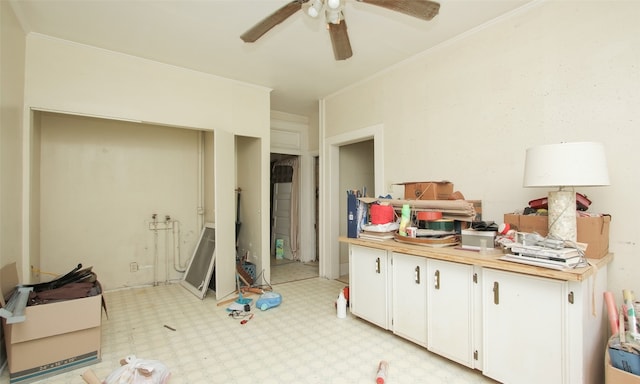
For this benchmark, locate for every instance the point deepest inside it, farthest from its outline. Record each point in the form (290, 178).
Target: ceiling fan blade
(272, 20)
(340, 40)
(422, 9)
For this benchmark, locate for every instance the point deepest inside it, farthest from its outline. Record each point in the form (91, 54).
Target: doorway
(293, 256)
(333, 265)
(356, 173)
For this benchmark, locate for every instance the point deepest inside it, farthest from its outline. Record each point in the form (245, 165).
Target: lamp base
(562, 215)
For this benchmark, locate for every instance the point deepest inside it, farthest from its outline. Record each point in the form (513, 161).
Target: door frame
(330, 190)
(289, 136)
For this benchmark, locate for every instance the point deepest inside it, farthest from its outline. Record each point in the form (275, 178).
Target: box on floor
(613, 375)
(54, 338)
(593, 231)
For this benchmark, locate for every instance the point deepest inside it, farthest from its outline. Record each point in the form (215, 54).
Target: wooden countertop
(474, 258)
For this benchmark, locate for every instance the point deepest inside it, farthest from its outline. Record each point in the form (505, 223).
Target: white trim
(330, 193)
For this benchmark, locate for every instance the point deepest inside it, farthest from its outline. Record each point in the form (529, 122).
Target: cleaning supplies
(341, 305)
(629, 298)
(405, 219)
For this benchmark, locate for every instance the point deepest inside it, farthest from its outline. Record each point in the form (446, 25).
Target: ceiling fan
(422, 9)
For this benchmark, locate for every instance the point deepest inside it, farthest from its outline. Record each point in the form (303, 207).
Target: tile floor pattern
(301, 341)
(283, 271)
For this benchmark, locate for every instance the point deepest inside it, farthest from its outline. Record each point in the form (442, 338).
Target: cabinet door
(368, 290)
(450, 310)
(523, 328)
(409, 294)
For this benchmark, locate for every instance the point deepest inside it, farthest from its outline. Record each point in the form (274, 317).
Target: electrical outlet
(133, 267)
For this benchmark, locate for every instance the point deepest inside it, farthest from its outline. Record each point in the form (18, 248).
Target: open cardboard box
(593, 231)
(54, 338)
(613, 375)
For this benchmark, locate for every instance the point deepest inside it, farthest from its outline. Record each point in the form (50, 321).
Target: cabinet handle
(436, 279)
(417, 277)
(378, 265)
(496, 293)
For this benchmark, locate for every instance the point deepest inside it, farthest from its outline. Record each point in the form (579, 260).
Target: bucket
(381, 214)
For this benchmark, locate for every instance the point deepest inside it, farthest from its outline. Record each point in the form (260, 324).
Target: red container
(381, 214)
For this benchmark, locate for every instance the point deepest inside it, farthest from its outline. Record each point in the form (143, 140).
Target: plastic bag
(139, 371)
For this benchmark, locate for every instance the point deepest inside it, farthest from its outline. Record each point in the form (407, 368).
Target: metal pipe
(155, 249)
(180, 268)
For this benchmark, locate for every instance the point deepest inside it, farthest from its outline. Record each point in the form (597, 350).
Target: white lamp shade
(566, 164)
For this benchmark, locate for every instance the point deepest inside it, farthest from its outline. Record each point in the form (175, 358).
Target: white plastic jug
(341, 306)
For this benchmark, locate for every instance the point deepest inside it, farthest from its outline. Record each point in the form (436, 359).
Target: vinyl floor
(301, 341)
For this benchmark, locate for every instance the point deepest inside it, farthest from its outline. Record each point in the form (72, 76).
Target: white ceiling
(295, 58)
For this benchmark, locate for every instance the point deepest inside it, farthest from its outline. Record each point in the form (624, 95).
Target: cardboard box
(626, 361)
(613, 375)
(593, 231)
(428, 190)
(54, 338)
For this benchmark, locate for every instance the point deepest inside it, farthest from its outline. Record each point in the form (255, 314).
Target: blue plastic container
(269, 300)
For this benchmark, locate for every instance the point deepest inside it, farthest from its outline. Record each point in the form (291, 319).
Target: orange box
(428, 190)
(593, 231)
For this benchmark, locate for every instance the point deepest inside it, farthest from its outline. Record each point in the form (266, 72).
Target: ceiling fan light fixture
(335, 21)
(333, 17)
(315, 8)
(334, 4)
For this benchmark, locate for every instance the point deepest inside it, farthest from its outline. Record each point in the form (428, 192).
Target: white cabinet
(368, 285)
(523, 327)
(517, 323)
(409, 294)
(451, 310)
(542, 330)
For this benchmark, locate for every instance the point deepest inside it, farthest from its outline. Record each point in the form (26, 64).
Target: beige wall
(92, 82)
(314, 135)
(12, 48)
(97, 82)
(251, 228)
(466, 111)
(100, 183)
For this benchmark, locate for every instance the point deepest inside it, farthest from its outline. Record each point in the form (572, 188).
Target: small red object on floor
(246, 320)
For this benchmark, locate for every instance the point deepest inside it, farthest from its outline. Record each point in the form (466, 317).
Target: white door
(282, 218)
(450, 310)
(368, 284)
(524, 328)
(410, 297)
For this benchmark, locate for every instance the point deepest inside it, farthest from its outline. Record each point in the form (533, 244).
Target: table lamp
(565, 165)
